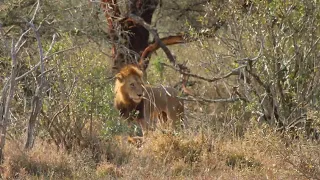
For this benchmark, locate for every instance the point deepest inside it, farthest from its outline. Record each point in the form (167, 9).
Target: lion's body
(162, 105)
(153, 104)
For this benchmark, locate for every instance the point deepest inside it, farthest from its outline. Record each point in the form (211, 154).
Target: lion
(145, 104)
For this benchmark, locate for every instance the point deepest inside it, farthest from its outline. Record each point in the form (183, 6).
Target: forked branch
(153, 31)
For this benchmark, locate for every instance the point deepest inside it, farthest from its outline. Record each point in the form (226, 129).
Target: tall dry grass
(260, 154)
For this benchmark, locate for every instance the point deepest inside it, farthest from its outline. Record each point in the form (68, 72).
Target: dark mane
(131, 70)
(132, 112)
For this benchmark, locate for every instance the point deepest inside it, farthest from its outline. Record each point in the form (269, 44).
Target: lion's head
(128, 87)
(158, 103)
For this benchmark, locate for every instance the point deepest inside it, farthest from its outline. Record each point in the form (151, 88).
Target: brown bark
(135, 27)
(135, 35)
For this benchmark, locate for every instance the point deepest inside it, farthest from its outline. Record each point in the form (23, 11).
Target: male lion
(149, 104)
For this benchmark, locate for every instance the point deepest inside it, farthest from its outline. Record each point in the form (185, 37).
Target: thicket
(258, 87)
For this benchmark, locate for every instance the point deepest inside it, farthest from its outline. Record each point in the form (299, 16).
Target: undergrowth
(260, 154)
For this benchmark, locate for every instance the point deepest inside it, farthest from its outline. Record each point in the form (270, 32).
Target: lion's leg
(175, 116)
(145, 122)
(163, 117)
(144, 126)
(182, 118)
(172, 118)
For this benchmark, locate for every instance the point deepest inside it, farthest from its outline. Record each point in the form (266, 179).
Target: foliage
(159, 68)
(276, 43)
(271, 47)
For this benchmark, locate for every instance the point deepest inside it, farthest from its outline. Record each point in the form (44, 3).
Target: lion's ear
(140, 73)
(119, 77)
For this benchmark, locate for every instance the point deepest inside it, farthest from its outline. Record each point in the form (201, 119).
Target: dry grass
(259, 154)
(43, 160)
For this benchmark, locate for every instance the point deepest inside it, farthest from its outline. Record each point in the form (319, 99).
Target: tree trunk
(37, 99)
(36, 107)
(136, 35)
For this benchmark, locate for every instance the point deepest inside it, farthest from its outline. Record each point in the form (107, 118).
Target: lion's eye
(132, 84)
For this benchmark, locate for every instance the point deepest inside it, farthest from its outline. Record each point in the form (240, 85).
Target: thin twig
(12, 85)
(35, 12)
(233, 72)
(18, 49)
(20, 38)
(201, 99)
(51, 45)
(56, 114)
(45, 58)
(40, 51)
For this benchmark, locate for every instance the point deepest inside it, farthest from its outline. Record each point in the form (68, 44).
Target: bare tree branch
(20, 39)
(201, 99)
(155, 34)
(55, 115)
(35, 11)
(40, 50)
(51, 45)
(37, 98)
(39, 63)
(233, 72)
(4, 118)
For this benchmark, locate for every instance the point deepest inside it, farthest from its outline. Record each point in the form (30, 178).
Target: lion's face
(133, 86)
(129, 84)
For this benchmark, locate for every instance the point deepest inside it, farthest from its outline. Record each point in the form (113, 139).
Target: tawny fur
(157, 104)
